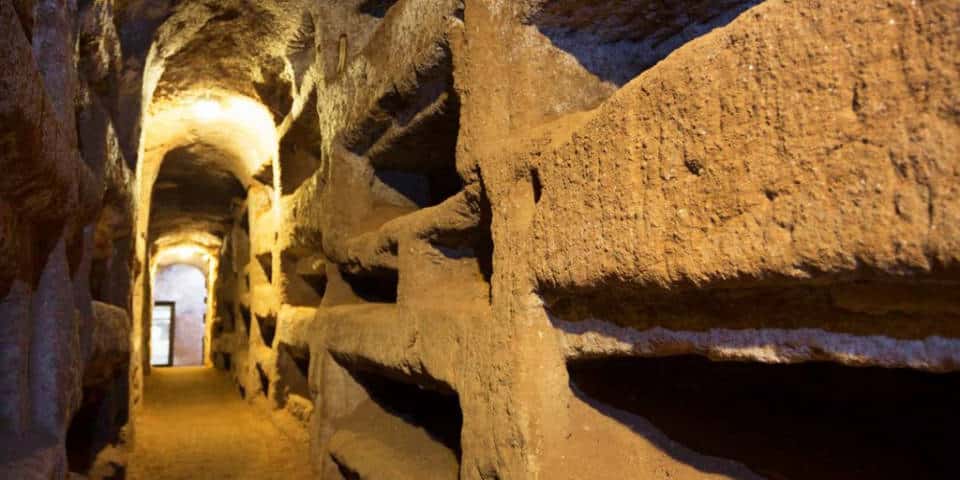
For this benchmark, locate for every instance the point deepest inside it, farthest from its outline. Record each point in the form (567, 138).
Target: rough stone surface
(64, 356)
(110, 351)
(484, 239)
(473, 198)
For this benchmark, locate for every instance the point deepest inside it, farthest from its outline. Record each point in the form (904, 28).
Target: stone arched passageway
(480, 239)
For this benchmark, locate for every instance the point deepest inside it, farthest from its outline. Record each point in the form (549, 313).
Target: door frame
(173, 330)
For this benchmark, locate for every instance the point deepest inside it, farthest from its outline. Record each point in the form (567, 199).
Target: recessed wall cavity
(293, 364)
(245, 316)
(812, 420)
(378, 286)
(420, 429)
(616, 40)
(301, 151)
(268, 328)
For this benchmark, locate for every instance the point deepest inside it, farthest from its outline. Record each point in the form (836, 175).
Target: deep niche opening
(375, 8)
(537, 185)
(264, 381)
(245, 222)
(474, 243)
(803, 421)
(423, 189)
(378, 286)
(617, 47)
(225, 321)
(266, 263)
(97, 423)
(223, 361)
(306, 277)
(301, 148)
(245, 316)
(268, 328)
(316, 281)
(436, 411)
(411, 140)
(294, 366)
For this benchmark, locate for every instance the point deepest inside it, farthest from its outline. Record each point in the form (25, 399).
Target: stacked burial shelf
(403, 431)
(418, 214)
(304, 277)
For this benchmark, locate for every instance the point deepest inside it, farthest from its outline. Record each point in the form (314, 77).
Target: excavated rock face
(535, 216)
(67, 208)
(499, 239)
(502, 209)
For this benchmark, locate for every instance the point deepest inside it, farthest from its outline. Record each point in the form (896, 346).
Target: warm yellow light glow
(242, 108)
(207, 110)
(240, 128)
(182, 253)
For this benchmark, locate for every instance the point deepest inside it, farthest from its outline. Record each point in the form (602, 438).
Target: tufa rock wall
(66, 207)
(529, 239)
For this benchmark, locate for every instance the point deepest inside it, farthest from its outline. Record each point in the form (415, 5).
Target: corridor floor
(194, 425)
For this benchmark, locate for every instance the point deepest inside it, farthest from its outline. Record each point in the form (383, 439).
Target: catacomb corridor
(479, 239)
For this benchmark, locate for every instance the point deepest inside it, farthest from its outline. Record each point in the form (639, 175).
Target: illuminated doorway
(180, 292)
(162, 334)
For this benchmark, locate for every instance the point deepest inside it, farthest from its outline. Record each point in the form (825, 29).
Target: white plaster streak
(593, 338)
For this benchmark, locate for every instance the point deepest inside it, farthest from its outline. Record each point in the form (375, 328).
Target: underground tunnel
(476, 239)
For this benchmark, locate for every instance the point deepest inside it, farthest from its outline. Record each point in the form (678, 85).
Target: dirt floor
(194, 425)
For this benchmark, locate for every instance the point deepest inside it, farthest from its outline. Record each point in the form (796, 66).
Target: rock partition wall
(607, 239)
(65, 209)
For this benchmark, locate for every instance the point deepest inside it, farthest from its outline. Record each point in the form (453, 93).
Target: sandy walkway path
(195, 426)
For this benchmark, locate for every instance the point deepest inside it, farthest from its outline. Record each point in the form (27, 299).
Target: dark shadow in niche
(266, 263)
(268, 328)
(223, 361)
(346, 472)
(265, 174)
(301, 150)
(227, 15)
(378, 286)
(274, 90)
(435, 411)
(537, 185)
(293, 364)
(376, 8)
(617, 40)
(484, 241)
(245, 222)
(412, 186)
(423, 189)
(800, 421)
(245, 315)
(264, 381)
(97, 423)
(316, 281)
(475, 243)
